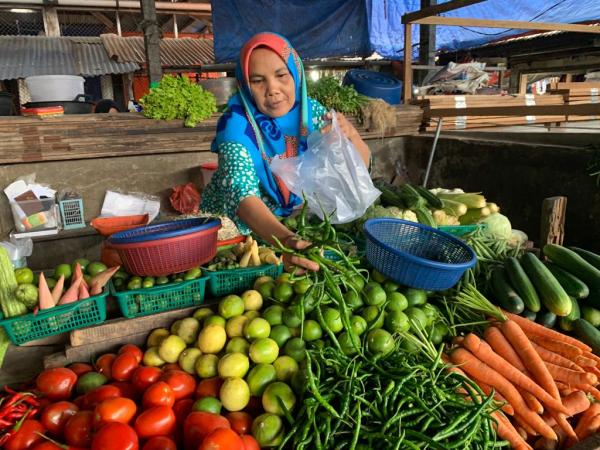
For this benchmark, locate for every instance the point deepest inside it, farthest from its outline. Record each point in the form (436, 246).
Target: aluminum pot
(73, 107)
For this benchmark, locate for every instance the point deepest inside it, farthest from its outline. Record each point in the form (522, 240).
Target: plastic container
(375, 85)
(35, 215)
(416, 255)
(71, 212)
(107, 226)
(52, 88)
(142, 302)
(234, 281)
(208, 170)
(56, 320)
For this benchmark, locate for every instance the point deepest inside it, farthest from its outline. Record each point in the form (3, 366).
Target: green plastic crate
(234, 281)
(142, 302)
(56, 320)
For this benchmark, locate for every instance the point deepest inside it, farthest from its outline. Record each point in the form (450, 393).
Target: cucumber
(570, 283)
(522, 284)
(432, 200)
(546, 318)
(424, 216)
(592, 315)
(410, 197)
(573, 263)
(590, 257)
(566, 323)
(505, 294)
(552, 294)
(588, 334)
(529, 315)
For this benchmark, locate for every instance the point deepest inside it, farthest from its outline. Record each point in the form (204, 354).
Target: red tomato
(200, 424)
(159, 394)
(222, 439)
(26, 437)
(182, 383)
(115, 436)
(249, 442)
(123, 366)
(181, 409)
(143, 377)
(80, 368)
(78, 429)
(127, 389)
(171, 366)
(118, 409)
(134, 350)
(55, 416)
(254, 407)
(209, 387)
(92, 398)
(240, 421)
(47, 445)
(156, 421)
(56, 384)
(160, 443)
(104, 364)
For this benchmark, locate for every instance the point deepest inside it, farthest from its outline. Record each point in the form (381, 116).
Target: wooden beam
(105, 20)
(589, 109)
(437, 9)
(408, 74)
(552, 226)
(51, 23)
(514, 24)
(523, 84)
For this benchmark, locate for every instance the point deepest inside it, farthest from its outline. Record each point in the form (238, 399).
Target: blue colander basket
(416, 255)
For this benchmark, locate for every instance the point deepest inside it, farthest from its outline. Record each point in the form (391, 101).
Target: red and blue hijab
(264, 137)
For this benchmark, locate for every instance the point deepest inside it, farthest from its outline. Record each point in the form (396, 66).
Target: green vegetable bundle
(179, 98)
(332, 95)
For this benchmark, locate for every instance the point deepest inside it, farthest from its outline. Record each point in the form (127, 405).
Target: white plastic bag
(331, 174)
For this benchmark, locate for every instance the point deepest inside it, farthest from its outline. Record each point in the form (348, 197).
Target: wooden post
(51, 23)
(426, 44)
(552, 226)
(407, 86)
(523, 84)
(151, 40)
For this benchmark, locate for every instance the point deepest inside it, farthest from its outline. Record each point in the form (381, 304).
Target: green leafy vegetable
(332, 95)
(179, 98)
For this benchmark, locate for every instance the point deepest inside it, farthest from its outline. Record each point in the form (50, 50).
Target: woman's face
(271, 83)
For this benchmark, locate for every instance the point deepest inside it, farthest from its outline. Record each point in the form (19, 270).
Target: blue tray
(163, 230)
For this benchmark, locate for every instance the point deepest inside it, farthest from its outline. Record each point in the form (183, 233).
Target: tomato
(55, 416)
(118, 409)
(80, 368)
(200, 424)
(92, 398)
(78, 429)
(115, 436)
(240, 421)
(127, 389)
(143, 377)
(123, 366)
(48, 445)
(56, 384)
(181, 409)
(171, 366)
(209, 387)
(249, 442)
(159, 394)
(134, 350)
(254, 407)
(160, 443)
(26, 437)
(156, 421)
(222, 439)
(182, 383)
(104, 364)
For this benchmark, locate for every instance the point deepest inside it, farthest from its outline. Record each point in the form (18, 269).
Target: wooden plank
(408, 74)
(534, 110)
(552, 225)
(515, 24)
(437, 9)
(22, 364)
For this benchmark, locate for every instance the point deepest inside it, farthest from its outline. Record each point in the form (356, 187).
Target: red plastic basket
(172, 255)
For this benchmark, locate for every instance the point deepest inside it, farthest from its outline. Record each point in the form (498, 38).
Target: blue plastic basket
(163, 230)
(416, 255)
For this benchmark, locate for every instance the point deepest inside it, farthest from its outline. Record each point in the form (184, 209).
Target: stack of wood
(435, 102)
(578, 93)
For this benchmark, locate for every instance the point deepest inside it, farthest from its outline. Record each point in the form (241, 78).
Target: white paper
(117, 204)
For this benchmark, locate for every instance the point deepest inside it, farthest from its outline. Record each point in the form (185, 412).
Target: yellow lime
(257, 328)
(259, 377)
(252, 300)
(203, 313)
(206, 366)
(215, 320)
(151, 357)
(156, 336)
(264, 351)
(187, 359)
(231, 306)
(274, 394)
(212, 339)
(251, 314)
(235, 326)
(238, 345)
(285, 367)
(234, 394)
(233, 365)
(262, 280)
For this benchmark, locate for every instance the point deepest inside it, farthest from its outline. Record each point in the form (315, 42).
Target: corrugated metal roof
(180, 52)
(24, 56)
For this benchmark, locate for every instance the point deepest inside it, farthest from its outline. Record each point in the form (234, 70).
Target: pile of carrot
(543, 382)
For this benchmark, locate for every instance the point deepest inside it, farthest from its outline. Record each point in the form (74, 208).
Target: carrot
(506, 431)
(590, 355)
(83, 292)
(592, 427)
(535, 329)
(57, 289)
(571, 376)
(593, 370)
(584, 361)
(100, 280)
(481, 371)
(523, 424)
(583, 425)
(575, 403)
(45, 300)
(554, 358)
(589, 389)
(529, 356)
(533, 403)
(547, 444)
(567, 350)
(487, 390)
(564, 425)
(484, 352)
(498, 342)
(71, 295)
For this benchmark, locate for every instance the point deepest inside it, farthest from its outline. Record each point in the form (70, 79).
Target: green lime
(311, 330)
(203, 313)
(121, 274)
(389, 286)
(83, 263)
(192, 274)
(161, 280)
(374, 316)
(207, 404)
(268, 430)
(231, 306)
(375, 295)
(295, 347)
(94, 268)
(206, 365)
(251, 315)
(215, 320)
(134, 283)
(438, 333)
(89, 381)
(283, 278)
(63, 269)
(262, 280)
(266, 289)
(301, 286)
(431, 312)
(357, 281)
(380, 342)
(51, 282)
(415, 297)
(307, 300)
(358, 324)
(346, 344)
(353, 300)
(273, 314)
(285, 367)
(333, 319)
(396, 302)
(264, 351)
(396, 322)
(409, 346)
(259, 378)
(24, 275)
(276, 396)
(239, 345)
(280, 334)
(283, 292)
(148, 282)
(257, 328)
(378, 277)
(417, 316)
(292, 316)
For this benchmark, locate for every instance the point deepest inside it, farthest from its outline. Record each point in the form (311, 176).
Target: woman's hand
(344, 124)
(292, 262)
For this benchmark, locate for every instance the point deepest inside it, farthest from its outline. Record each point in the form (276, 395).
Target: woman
(270, 117)
(107, 106)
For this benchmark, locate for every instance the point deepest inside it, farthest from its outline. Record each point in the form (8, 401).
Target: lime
(332, 319)
(252, 300)
(64, 269)
(24, 275)
(187, 359)
(235, 326)
(268, 430)
(231, 306)
(259, 377)
(301, 286)
(308, 300)
(266, 289)
(431, 312)
(202, 313)
(353, 300)
(234, 394)
(212, 339)
(251, 314)
(283, 278)
(151, 357)
(264, 351)
(416, 315)
(438, 333)
(415, 297)
(396, 302)
(409, 346)
(238, 345)
(233, 365)
(357, 281)
(51, 282)
(295, 347)
(380, 342)
(257, 328)
(275, 395)
(292, 316)
(286, 367)
(378, 276)
(283, 292)
(206, 366)
(161, 280)
(94, 268)
(207, 404)
(295, 331)
(89, 381)
(273, 314)
(389, 286)
(358, 324)
(192, 274)
(83, 263)
(373, 316)
(396, 322)
(346, 344)
(134, 283)
(280, 334)
(375, 295)
(147, 283)
(262, 280)
(215, 320)
(312, 330)
(156, 336)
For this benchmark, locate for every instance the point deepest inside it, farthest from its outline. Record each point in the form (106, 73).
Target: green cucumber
(588, 334)
(432, 200)
(546, 319)
(592, 315)
(505, 294)
(552, 294)
(571, 284)
(566, 323)
(590, 257)
(573, 263)
(529, 315)
(424, 216)
(522, 284)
